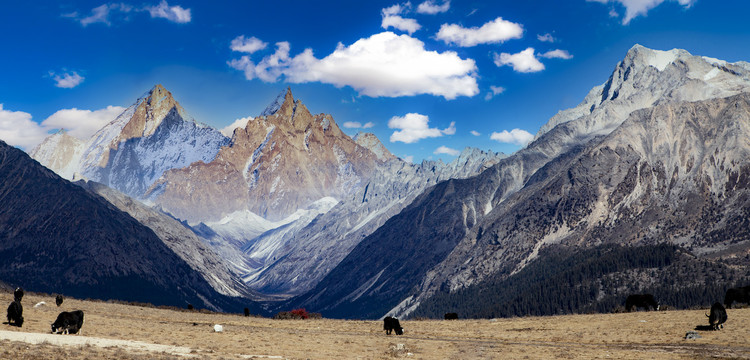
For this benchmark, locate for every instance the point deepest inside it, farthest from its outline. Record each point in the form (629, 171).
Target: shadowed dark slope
(56, 237)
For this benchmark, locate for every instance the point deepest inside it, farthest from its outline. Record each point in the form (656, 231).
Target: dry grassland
(115, 331)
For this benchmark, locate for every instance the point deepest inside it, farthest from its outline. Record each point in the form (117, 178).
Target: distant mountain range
(293, 211)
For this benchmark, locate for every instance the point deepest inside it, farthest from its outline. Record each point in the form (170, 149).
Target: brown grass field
(117, 331)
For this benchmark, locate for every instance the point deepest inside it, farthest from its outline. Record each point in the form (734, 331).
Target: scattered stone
(692, 335)
(39, 304)
(218, 328)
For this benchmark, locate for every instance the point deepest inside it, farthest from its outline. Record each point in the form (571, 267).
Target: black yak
(739, 294)
(450, 316)
(15, 313)
(68, 322)
(58, 300)
(18, 294)
(646, 301)
(718, 316)
(390, 324)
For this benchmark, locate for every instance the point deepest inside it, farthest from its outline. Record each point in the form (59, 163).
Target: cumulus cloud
(392, 18)
(239, 123)
(81, 124)
(408, 158)
(515, 136)
(545, 38)
(494, 90)
(475, 133)
(17, 129)
(247, 45)
(635, 8)
(446, 150)
(358, 125)
(557, 54)
(413, 127)
(493, 32)
(384, 64)
(67, 80)
(175, 13)
(524, 61)
(429, 7)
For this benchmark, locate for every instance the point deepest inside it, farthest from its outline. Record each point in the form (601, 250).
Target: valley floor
(116, 331)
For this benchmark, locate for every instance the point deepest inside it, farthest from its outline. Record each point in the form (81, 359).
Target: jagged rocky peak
(150, 110)
(274, 106)
(646, 77)
(371, 142)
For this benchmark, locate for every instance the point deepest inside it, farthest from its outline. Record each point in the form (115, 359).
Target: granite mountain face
(280, 162)
(130, 153)
(653, 155)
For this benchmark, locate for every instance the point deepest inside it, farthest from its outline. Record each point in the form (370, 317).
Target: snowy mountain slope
(130, 153)
(411, 249)
(60, 152)
(303, 256)
(179, 239)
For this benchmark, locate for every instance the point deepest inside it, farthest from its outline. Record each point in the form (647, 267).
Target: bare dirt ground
(116, 331)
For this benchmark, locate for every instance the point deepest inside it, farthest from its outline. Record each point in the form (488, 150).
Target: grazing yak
(15, 313)
(68, 322)
(58, 300)
(247, 312)
(450, 316)
(390, 324)
(739, 294)
(718, 316)
(646, 301)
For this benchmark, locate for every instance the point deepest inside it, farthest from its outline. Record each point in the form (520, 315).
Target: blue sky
(427, 77)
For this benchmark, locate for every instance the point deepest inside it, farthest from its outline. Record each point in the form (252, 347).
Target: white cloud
(239, 123)
(392, 18)
(67, 80)
(635, 8)
(100, 14)
(475, 133)
(494, 90)
(247, 45)
(446, 150)
(104, 13)
(429, 7)
(81, 124)
(524, 61)
(413, 127)
(557, 54)
(408, 158)
(384, 64)
(403, 24)
(493, 32)
(515, 136)
(358, 125)
(546, 38)
(175, 13)
(17, 128)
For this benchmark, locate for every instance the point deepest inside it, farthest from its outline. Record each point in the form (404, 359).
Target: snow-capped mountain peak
(274, 106)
